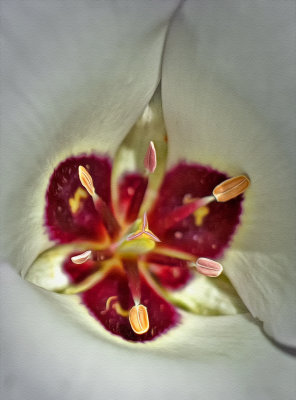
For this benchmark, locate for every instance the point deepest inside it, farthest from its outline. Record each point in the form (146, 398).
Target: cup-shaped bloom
(77, 85)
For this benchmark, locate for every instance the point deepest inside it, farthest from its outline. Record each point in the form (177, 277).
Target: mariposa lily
(219, 129)
(128, 238)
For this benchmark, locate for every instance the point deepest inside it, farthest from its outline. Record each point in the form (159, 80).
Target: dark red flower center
(137, 254)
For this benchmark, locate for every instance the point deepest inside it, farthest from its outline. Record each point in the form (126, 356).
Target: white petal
(228, 99)
(47, 356)
(267, 286)
(76, 75)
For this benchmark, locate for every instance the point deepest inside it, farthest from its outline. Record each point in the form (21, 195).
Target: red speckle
(61, 224)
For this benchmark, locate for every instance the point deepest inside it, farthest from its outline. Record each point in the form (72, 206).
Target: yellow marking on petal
(109, 300)
(120, 311)
(116, 306)
(75, 201)
(200, 214)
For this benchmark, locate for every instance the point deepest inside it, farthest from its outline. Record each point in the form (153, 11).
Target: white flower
(77, 76)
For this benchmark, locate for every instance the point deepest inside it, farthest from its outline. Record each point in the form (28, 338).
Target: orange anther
(138, 318)
(86, 180)
(231, 188)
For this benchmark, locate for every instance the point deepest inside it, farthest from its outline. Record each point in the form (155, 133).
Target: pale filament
(204, 266)
(225, 191)
(134, 281)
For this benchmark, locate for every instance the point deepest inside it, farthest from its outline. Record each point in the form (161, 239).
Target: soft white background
(75, 76)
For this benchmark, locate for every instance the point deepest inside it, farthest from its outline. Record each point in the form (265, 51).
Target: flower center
(141, 240)
(124, 252)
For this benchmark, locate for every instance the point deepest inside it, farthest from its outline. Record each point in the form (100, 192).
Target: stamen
(150, 160)
(101, 207)
(86, 180)
(231, 188)
(82, 258)
(138, 315)
(139, 320)
(225, 191)
(208, 267)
